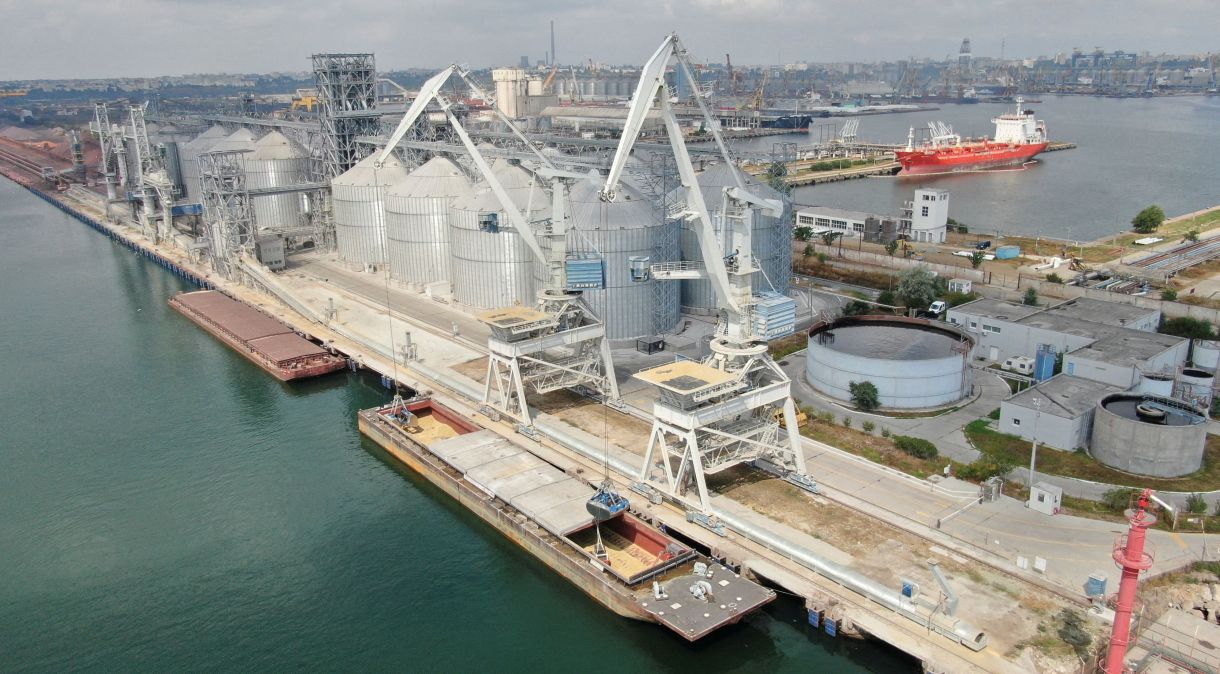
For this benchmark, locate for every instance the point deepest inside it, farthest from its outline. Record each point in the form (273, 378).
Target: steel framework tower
(347, 97)
(227, 211)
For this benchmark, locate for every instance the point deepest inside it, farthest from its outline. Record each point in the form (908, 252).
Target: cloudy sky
(111, 38)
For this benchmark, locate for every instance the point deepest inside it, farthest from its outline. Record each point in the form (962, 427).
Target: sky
(135, 38)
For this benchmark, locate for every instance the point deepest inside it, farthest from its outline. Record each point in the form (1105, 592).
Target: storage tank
(417, 220)
(1205, 354)
(1195, 387)
(276, 162)
(630, 227)
(356, 199)
(1155, 384)
(188, 158)
(913, 362)
(491, 264)
(1007, 252)
(772, 238)
(1148, 435)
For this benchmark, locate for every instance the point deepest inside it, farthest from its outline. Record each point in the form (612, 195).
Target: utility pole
(1034, 454)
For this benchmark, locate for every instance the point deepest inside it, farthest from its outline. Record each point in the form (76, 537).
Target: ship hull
(966, 158)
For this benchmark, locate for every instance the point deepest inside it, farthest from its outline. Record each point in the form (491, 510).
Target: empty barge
(642, 574)
(267, 342)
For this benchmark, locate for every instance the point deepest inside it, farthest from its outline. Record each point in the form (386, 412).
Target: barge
(265, 341)
(628, 566)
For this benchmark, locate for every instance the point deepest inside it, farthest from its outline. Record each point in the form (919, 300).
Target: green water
(166, 505)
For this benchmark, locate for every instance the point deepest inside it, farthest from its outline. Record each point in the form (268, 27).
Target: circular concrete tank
(1148, 435)
(1205, 354)
(914, 363)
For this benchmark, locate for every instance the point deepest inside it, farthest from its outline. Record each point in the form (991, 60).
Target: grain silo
(417, 220)
(771, 238)
(188, 159)
(241, 139)
(627, 234)
(276, 162)
(356, 198)
(491, 264)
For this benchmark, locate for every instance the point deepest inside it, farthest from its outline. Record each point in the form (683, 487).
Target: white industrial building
(1057, 412)
(924, 219)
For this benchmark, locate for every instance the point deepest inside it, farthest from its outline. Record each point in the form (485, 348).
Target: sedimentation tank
(491, 264)
(1148, 435)
(276, 162)
(771, 238)
(188, 159)
(914, 363)
(629, 228)
(417, 220)
(356, 199)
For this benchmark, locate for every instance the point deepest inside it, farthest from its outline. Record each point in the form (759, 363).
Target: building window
(991, 328)
(944, 197)
(924, 211)
(822, 222)
(974, 325)
(857, 226)
(953, 320)
(806, 220)
(1016, 422)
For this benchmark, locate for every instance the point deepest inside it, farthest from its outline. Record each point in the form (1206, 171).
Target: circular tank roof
(438, 178)
(276, 145)
(886, 338)
(1151, 409)
(629, 210)
(365, 174)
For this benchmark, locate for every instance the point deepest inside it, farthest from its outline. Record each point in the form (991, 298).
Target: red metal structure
(1130, 555)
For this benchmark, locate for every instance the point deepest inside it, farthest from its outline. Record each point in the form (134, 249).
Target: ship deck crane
(718, 412)
(559, 343)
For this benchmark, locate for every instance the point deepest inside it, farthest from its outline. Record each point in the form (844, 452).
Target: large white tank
(492, 266)
(417, 220)
(630, 227)
(1148, 435)
(1205, 354)
(276, 162)
(914, 363)
(188, 158)
(771, 238)
(356, 198)
(241, 139)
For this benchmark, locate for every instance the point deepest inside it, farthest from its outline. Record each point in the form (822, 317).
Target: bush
(887, 297)
(1169, 295)
(1118, 499)
(822, 258)
(808, 252)
(954, 299)
(1054, 278)
(868, 426)
(846, 422)
(885, 432)
(1191, 236)
(1185, 326)
(994, 414)
(1196, 504)
(1031, 297)
(857, 308)
(864, 395)
(1072, 631)
(986, 467)
(916, 447)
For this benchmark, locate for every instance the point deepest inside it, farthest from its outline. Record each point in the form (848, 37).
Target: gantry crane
(558, 343)
(719, 412)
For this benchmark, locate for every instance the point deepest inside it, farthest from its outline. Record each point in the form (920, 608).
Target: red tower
(1129, 554)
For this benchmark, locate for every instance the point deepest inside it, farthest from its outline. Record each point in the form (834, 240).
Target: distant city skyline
(65, 39)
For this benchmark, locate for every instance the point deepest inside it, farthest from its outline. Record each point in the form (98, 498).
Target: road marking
(1178, 539)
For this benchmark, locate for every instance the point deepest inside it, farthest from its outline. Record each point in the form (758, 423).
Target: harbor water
(1130, 153)
(169, 506)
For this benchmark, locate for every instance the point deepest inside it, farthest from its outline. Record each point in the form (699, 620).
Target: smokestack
(553, 59)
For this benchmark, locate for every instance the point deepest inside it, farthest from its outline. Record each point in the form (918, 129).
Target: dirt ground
(1009, 610)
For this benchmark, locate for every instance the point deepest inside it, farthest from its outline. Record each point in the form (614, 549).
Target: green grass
(1080, 465)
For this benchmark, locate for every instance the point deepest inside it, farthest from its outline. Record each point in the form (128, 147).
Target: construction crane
(718, 412)
(574, 95)
(559, 343)
(550, 78)
(728, 63)
(756, 101)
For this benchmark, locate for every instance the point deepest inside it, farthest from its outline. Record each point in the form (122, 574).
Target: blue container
(831, 627)
(186, 209)
(1096, 585)
(1044, 362)
(815, 618)
(1007, 252)
(586, 273)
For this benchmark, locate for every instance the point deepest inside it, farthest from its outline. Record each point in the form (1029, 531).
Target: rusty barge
(623, 563)
(263, 340)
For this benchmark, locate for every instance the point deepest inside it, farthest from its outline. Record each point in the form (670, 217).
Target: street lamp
(1033, 456)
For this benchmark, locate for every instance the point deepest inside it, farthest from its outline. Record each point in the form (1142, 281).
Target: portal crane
(719, 412)
(560, 343)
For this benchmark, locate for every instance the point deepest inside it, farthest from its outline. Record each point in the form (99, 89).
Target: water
(892, 342)
(169, 506)
(1131, 153)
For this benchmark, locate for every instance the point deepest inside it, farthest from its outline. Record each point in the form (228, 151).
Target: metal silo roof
(365, 174)
(438, 178)
(276, 145)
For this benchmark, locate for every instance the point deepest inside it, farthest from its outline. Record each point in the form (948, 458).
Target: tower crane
(719, 412)
(558, 343)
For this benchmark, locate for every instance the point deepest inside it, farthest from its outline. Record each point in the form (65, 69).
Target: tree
(802, 233)
(976, 258)
(1031, 297)
(808, 252)
(1147, 220)
(828, 238)
(1169, 294)
(891, 247)
(887, 298)
(1196, 504)
(857, 308)
(1054, 278)
(917, 287)
(864, 395)
(776, 172)
(1185, 326)
(1191, 236)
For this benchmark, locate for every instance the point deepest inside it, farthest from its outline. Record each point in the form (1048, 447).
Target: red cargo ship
(1018, 138)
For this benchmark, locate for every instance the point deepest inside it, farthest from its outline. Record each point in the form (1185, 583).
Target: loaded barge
(625, 564)
(267, 342)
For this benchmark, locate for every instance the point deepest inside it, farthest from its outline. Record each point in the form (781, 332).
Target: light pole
(1033, 456)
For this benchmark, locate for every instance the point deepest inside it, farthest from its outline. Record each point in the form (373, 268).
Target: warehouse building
(1057, 412)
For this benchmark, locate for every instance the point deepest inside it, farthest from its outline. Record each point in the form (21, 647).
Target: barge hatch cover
(552, 498)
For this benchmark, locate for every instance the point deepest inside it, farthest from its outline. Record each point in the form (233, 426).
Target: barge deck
(265, 341)
(642, 573)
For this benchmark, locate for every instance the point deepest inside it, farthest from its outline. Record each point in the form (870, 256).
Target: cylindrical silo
(276, 162)
(629, 228)
(1148, 435)
(1205, 354)
(356, 199)
(188, 158)
(241, 139)
(1195, 386)
(771, 238)
(491, 264)
(417, 220)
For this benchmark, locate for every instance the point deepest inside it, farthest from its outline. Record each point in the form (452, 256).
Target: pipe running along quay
(955, 629)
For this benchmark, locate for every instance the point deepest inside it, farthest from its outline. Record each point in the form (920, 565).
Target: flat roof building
(1057, 412)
